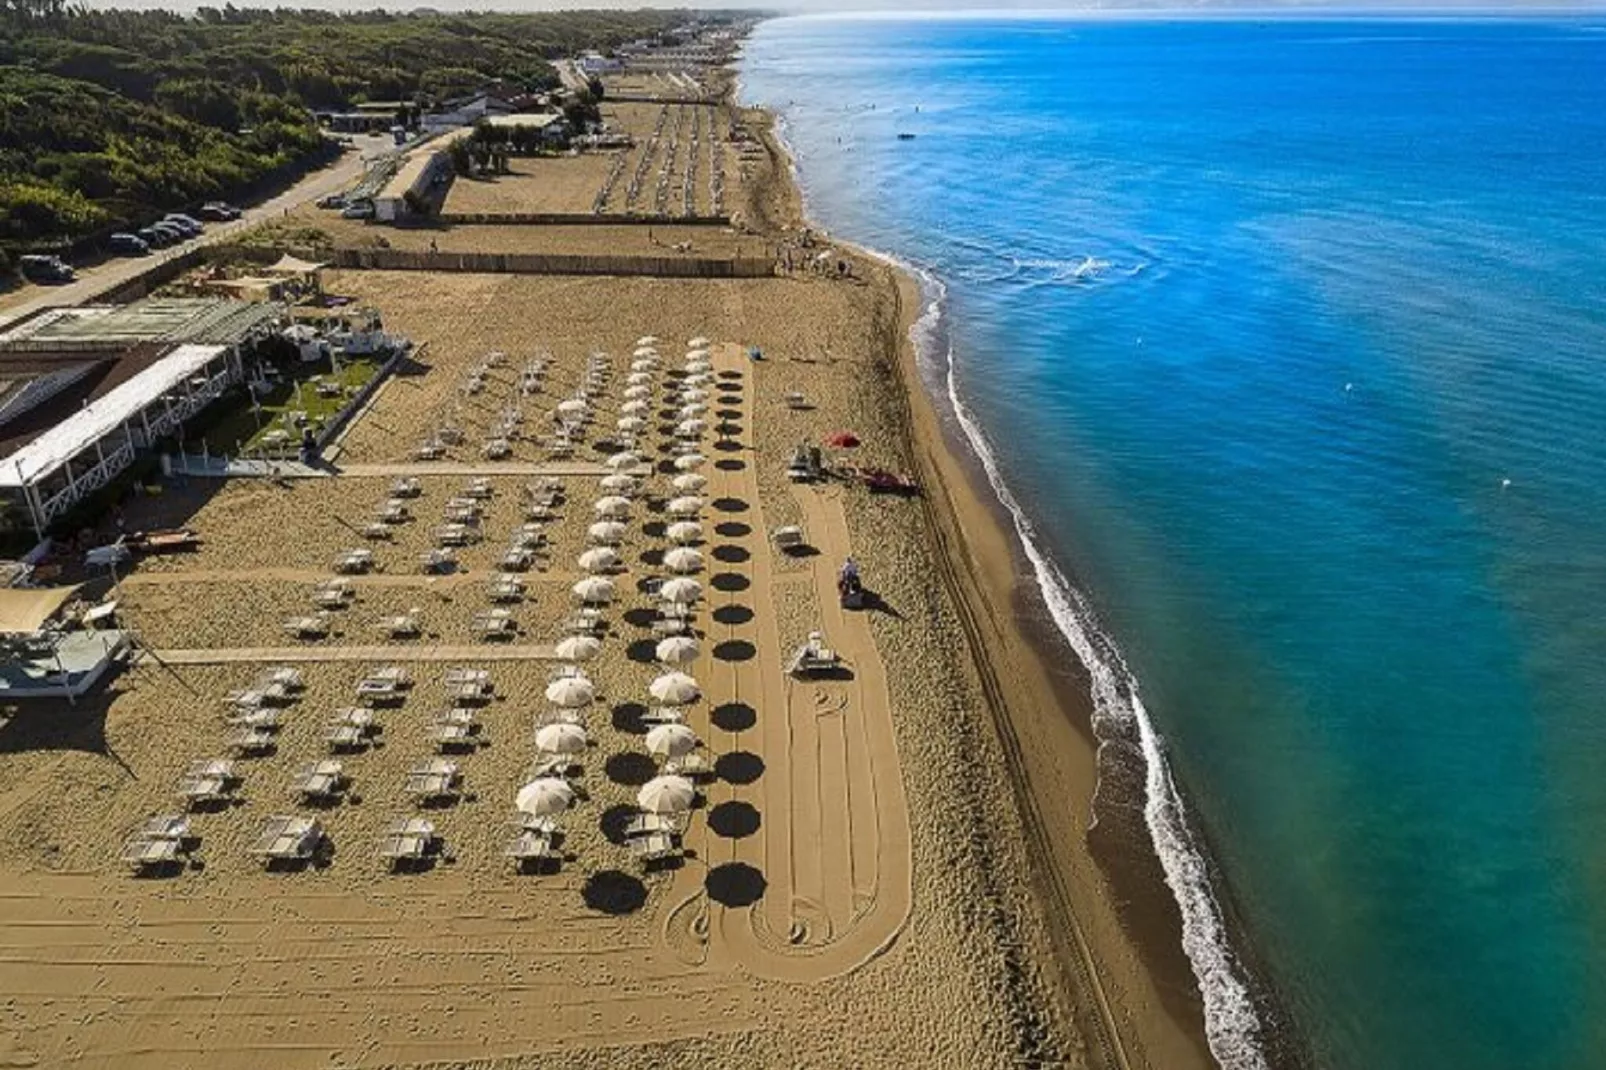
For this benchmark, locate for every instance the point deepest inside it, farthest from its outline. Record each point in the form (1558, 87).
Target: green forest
(108, 118)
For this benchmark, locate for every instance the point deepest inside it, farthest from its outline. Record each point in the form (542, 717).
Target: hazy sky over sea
(810, 6)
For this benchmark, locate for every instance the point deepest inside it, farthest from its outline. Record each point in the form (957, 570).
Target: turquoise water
(1286, 339)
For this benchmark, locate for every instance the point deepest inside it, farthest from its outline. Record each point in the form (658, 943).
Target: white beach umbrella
(599, 559)
(612, 506)
(695, 366)
(690, 505)
(681, 590)
(698, 343)
(578, 647)
(683, 559)
(545, 797)
(671, 741)
(690, 428)
(623, 459)
(666, 795)
(572, 407)
(684, 531)
(617, 483)
(562, 738)
(630, 423)
(647, 340)
(634, 408)
(646, 350)
(692, 409)
(694, 393)
(641, 382)
(690, 462)
(698, 379)
(689, 482)
(644, 364)
(571, 692)
(697, 353)
(606, 532)
(677, 650)
(593, 589)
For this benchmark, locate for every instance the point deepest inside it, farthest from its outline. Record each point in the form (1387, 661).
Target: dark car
(171, 233)
(40, 268)
(150, 237)
(333, 200)
(187, 229)
(124, 244)
(186, 222)
(218, 211)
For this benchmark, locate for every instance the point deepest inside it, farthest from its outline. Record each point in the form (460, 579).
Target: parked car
(358, 210)
(219, 211)
(41, 268)
(150, 237)
(333, 200)
(125, 244)
(171, 233)
(184, 227)
(184, 221)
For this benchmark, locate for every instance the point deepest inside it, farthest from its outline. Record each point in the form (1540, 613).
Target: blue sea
(1287, 340)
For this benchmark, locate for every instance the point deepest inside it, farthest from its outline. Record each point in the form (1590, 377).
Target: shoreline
(1116, 926)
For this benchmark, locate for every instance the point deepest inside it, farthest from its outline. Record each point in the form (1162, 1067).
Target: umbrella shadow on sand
(614, 892)
(735, 884)
(630, 768)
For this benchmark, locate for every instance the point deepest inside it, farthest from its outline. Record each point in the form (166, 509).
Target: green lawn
(244, 430)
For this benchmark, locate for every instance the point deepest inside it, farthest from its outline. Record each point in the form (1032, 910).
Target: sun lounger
(353, 562)
(380, 692)
(350, 729)
(506, 589)
(516, 560)
(406, 487)
(585, 621)
(434, 779)
(143, 853)
(285, 838)
(648, 824)
(333, 594)
(313, 626)
(436, 561)
(400, 626)
(319, 781)
(263, 718)
(247, 741)
(664, 715)
(496, 449)
(377, 531)
(165, 827)
(429, 451)
(451, 434)
(562, 766)
(494, 624)
(475, 692)
(559, 716)
(653, 847)
(456, 535)
(531, 846)
(689, 765)
(285, 677)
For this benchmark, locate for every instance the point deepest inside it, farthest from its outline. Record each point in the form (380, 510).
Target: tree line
(108, 118)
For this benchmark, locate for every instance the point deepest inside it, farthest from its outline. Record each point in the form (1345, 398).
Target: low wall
(685, 267)
(548, 219)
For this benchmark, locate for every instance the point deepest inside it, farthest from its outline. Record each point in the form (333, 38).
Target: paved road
(93, 281)
(391, 652)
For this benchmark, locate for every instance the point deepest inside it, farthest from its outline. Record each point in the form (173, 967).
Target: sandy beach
(885, 866)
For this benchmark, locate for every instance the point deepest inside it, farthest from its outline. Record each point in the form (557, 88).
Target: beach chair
(796, 401)
(436, 562)
(377, 532)
(505, 588)
(286, 838)
(432, 781)
(496, 449)
(691, 766)
(489, 624)
(561, 766)
(657, 715)
(392, 511)
(319, 782)
(401, 626)
(450, 434)
(350, 729)
(432, 450)
(531, 846)
(249, 742)
(587, 620)
(144, 854)
(284, 677)
(354, 562)
(471, 692)
(408, 839)
(165, 827)
(406, 487)
(515, 559)
(380, 693)
(479, 489)
(333, 594)
(650, 824)
(263, 718)
(559, 715)
(312, 626)
(543, 485)
(455, 535)
(653, 847)
(540, 511)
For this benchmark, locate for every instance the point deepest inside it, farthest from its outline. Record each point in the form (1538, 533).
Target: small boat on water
(906, 137)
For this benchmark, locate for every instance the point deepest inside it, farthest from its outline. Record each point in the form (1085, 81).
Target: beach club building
(83, 390)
